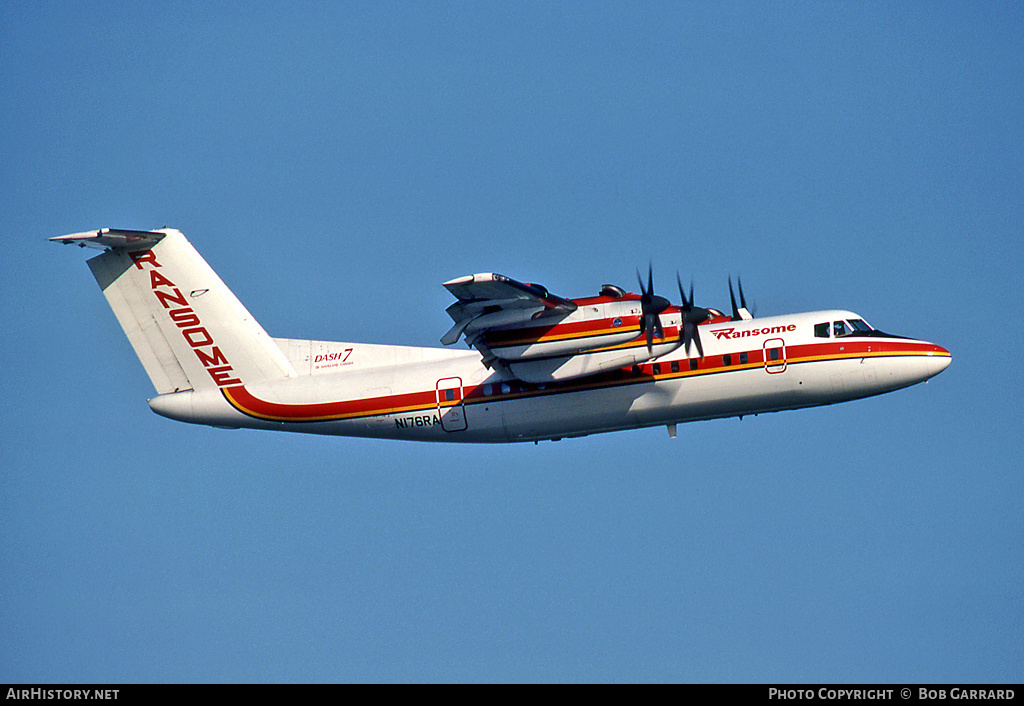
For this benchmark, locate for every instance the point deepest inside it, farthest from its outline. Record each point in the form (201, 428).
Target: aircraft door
(451, 408)
(775, 356)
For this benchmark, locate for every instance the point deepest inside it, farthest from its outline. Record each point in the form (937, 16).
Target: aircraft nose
(938, 360)
(917, 362)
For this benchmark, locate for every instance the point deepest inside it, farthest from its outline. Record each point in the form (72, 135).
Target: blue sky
(335, 162)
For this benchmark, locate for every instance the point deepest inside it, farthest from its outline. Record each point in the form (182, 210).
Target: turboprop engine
(541, 338)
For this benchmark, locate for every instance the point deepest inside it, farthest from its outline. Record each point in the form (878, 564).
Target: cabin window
(821, 330)
(449, 395)
(675, 366)
(726, 359)
(505, 388)
(744, 357)
(616, 322)
(693, 363)
(773, 353)
(488, 390)
(657, 368)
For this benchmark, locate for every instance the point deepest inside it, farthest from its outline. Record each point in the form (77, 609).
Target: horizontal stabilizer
(112, 238)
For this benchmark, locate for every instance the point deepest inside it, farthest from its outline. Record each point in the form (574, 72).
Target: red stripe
(244, 401)
(601, 299)
(578, 329)
(247, 403)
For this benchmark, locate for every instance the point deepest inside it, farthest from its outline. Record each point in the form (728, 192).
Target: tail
(188, 329)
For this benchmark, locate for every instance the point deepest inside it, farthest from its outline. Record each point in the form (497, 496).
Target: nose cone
(928, 361)
(937, 360)
(913, 362)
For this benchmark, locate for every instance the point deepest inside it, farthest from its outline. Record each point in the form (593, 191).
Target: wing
(537, 337)
(488, 300)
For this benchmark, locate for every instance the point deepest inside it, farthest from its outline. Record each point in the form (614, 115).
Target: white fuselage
(430, 394)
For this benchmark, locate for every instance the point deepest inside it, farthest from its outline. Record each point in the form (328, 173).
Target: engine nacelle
(561, 339)
(540, 370)
(598, 336)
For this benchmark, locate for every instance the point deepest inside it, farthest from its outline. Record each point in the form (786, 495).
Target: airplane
(538, 366)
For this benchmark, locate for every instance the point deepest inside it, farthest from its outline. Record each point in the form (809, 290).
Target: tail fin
(188, 329)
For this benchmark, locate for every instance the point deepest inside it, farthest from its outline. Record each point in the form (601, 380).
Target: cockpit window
(850, 328)
(821, 330)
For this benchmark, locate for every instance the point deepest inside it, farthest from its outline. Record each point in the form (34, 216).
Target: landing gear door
(451, 408)
(775, 356)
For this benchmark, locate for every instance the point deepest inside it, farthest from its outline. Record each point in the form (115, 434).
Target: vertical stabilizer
(188, 329)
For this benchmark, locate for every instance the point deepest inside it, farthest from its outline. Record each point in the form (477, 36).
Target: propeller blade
(732, 298)
(696, 339)
(741, 312)
(651, 307)
(692, 317)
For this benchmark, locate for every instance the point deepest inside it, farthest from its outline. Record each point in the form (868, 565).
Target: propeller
(740, 313)
(692, 316)
(651, 306)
